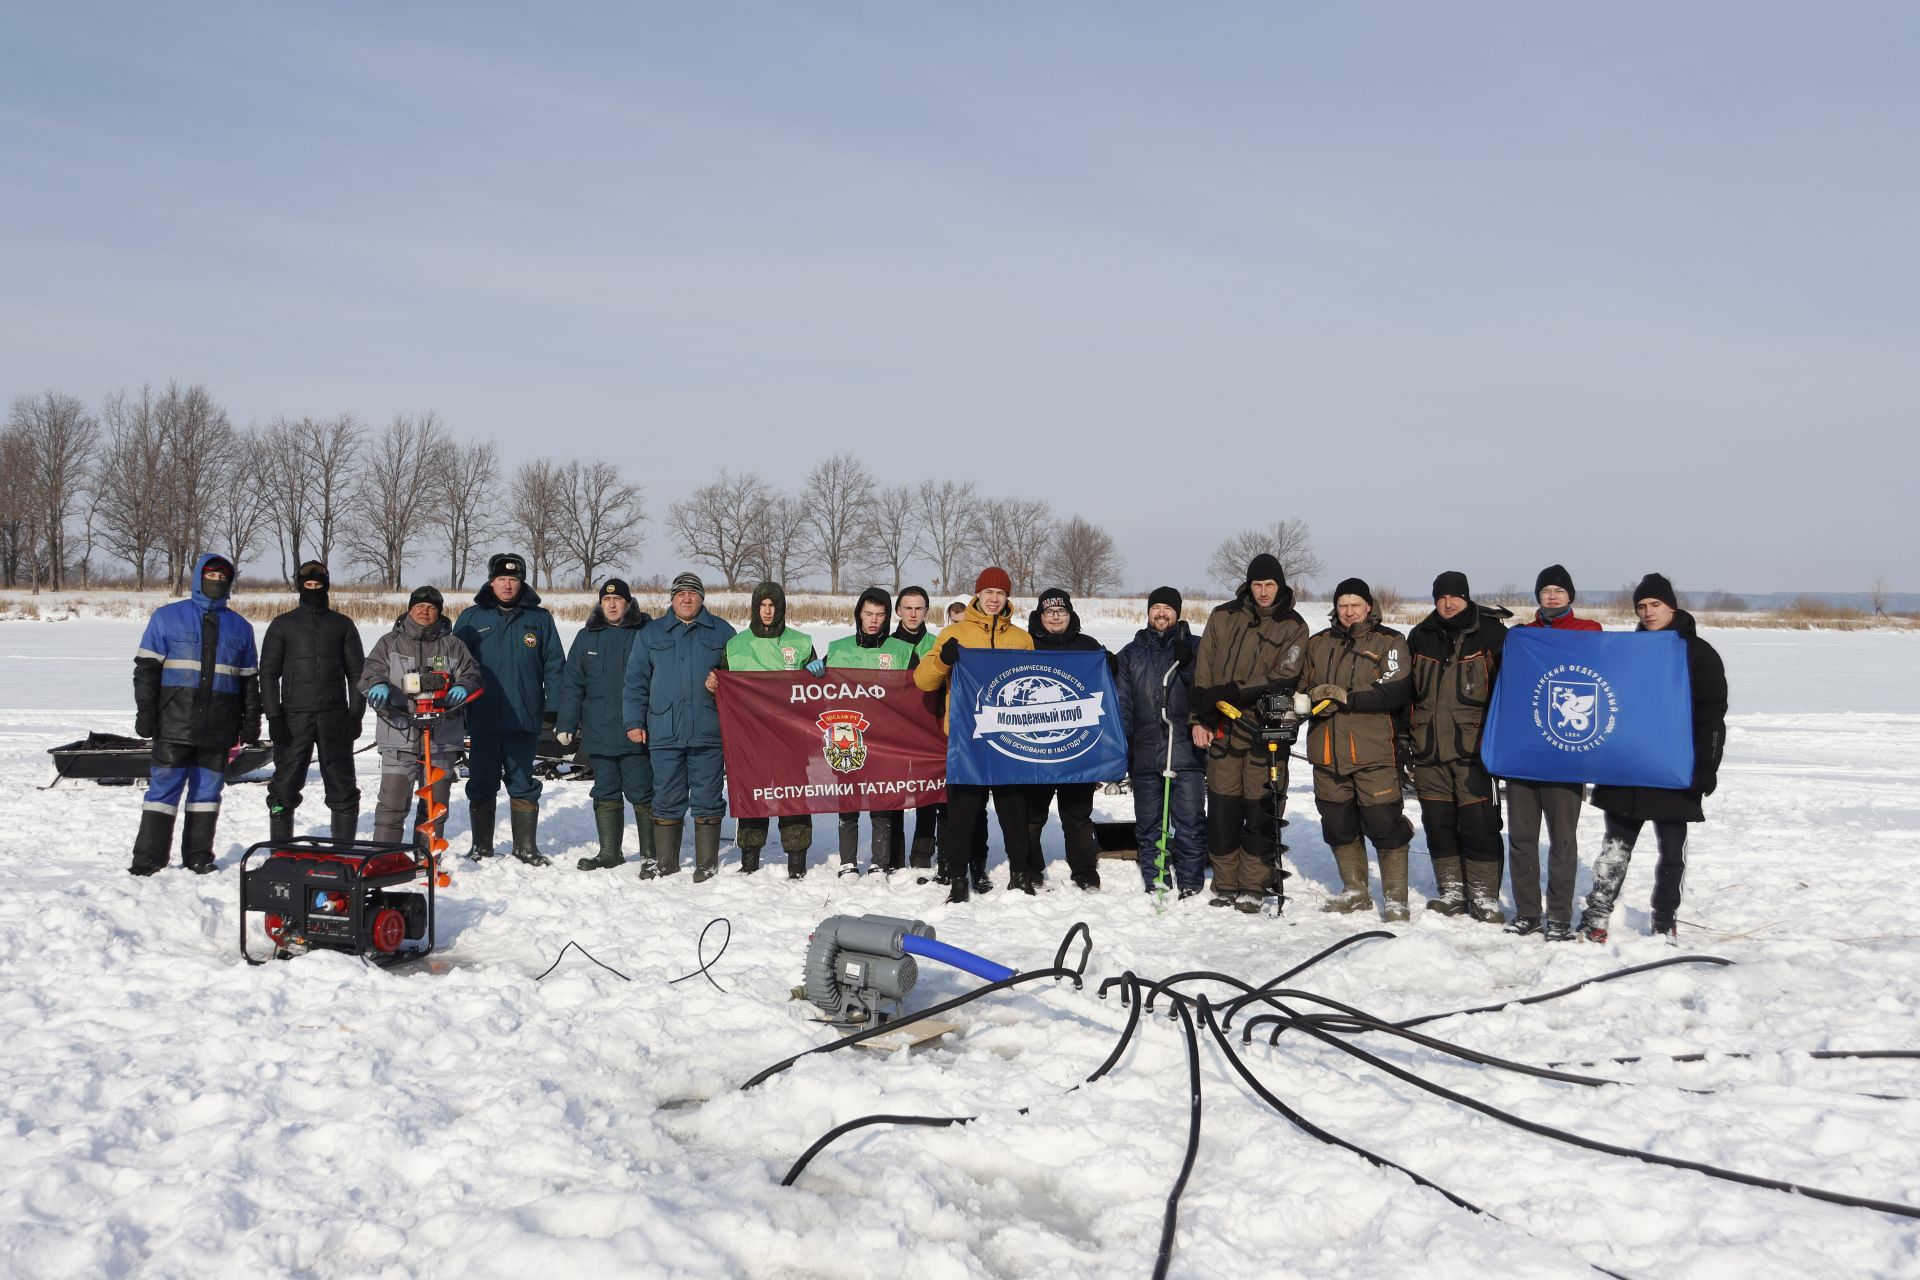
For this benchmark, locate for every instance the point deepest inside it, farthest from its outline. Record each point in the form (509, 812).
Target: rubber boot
(849, 844)
(345, 822)
(643, 836)
(154, 845)
(1393, 884)
(1483, 892)
(279, 824)
(666, 847)
(922, 854)
(706, 849)
(480, 818)
(1451, 879)
(196, 840)
(525, 816)
(1354, 896)
(610, 820)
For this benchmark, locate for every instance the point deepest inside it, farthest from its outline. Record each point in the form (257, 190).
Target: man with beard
(1154, 678)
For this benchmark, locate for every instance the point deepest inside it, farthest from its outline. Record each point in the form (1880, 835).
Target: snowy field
(174, 1112)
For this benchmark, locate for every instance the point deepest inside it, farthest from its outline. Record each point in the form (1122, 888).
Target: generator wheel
(388, 931)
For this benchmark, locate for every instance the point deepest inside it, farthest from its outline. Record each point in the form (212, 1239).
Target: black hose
(700, 954)
(1822, 1054)
(1086, 946)
(1130, 998)
(1170, 1222)
(832, 1135)
(574, 946)
(1232, 1007)
(1566, 991)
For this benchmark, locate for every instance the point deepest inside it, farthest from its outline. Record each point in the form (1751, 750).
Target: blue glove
(456, 696)
(379, 694)
(816, 668)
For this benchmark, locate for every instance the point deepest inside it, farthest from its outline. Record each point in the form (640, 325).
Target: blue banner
(1019, 717)
(1592, 706)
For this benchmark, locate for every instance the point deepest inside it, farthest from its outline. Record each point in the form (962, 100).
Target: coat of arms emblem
(843, 737)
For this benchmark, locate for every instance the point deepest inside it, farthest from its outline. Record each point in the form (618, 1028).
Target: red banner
(849, 740)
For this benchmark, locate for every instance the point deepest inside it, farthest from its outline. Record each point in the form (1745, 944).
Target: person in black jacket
(309, 668)
(1630, 808)
(1154, 679)
(1055, 626)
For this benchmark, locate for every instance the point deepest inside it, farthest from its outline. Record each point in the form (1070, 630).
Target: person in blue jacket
(520, 658)
(589, 707)
(1154, 676)
(196, 693)
(669, 708)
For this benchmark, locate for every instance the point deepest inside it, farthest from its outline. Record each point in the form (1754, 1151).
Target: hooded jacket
(412, 647)
(1456, 662)
(1249, 646)
(1371, 663)
(593, 684)
(1155, 673)
(196, 676)
(882, 652)
(666, 686)
(310, 661)
(771, 647)
(520, 658)
(975, 631)
(1708, 676)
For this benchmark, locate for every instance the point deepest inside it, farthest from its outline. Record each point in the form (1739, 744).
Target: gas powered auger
(426, 693)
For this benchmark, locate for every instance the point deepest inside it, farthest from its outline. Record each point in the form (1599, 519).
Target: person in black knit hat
(309, 665)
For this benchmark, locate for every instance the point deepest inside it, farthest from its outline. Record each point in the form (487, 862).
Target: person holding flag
(769, 644)
(869, 648)
(1055, 626)
(911, 608)
(984, 625)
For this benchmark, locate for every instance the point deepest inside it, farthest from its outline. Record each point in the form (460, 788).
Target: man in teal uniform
(589, 705)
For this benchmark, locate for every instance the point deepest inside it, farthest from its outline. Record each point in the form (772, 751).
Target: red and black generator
(363, 897)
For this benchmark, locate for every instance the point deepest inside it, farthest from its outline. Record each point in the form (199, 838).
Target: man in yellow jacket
(986, 625)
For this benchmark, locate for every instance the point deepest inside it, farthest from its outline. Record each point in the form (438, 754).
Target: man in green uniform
(769, 644)
(870, 648)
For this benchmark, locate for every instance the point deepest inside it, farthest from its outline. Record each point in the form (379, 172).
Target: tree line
(149, 478)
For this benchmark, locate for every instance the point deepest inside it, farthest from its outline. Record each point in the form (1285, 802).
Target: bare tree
(533, 513)
(133, 515)
(286, 470)
(197, 443)
(59, 435)
(719, 524)
(838, 496)
(949, 515)
(1287, 540)
(600, 517)
(1877, 596)
(1083, 558)
(333, 450)
(892, 534)
(393, 496)
(782, 549)
(19, 510)
(1013, 533)
(242, 510)
(1386, 601)
(469, 508)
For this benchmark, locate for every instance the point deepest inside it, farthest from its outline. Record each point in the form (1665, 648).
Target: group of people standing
(1204, 719)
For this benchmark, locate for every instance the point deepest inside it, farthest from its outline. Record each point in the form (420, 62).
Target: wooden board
(910, 1036)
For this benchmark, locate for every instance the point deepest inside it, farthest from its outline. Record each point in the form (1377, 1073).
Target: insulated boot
(749, 853)
(1483, 892)
(1393, 884)
(196, 840)
(922, 855)
(849, 844)
(279, 823)
(1451, 879)
(886, 853)
(1250, 902)
(1522, 926)
(796, 866)
(666, 848)
(796, 837)
(346, 822)
(154, 845)
(610, 820)
(1558, 931)
(706, 849)
(525, 816)
(1352, 861)
(480, 818)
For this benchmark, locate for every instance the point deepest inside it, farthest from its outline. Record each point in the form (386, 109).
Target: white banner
(1040, 717)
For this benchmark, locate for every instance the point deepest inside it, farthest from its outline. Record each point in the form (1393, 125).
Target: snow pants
(1610, 869)
(180, 771)
(1460, 811)
(331, 733)
(496, 757)
(1076, 821)
(960, 851)
(1186, 828)
(688, 779)
(1365, 803)
(1559, 804)
(1241, 818)
(399, 776)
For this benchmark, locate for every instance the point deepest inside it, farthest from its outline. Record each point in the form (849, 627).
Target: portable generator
(359, 896)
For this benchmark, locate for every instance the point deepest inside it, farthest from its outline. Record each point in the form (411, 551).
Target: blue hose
(934, 949)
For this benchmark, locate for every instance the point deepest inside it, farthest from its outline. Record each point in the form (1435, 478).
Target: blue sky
(1465, 286)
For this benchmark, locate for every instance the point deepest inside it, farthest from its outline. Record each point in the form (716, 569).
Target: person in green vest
(911, 607)
(769, 644)
(870, 648)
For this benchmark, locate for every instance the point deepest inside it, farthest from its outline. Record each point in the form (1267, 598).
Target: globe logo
(1038, 713)
(1037, 691)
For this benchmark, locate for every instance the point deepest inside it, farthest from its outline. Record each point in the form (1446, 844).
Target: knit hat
(311, 570)
(689, 581)
(1166, 596)
(926, 600)
(1656, 587)
(1265, 567)
(616, 587)
(1054, 598)
(1354, 587)
(993, 578)
(427, 595)
(1451, 583)
(506, 565)
(1554, 575)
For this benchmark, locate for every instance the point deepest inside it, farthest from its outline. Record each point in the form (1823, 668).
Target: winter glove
(379, 694)
(277, 730)
(817, 667)
(1182, 649)
(564, 737)
(1228, 693)
(1327, 698)
(357, 728)
(250, 729)
(143, 724)
(456, 697)
(950, 652)
(1705, 780)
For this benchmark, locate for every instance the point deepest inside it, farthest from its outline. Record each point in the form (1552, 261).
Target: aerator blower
(859, 965)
